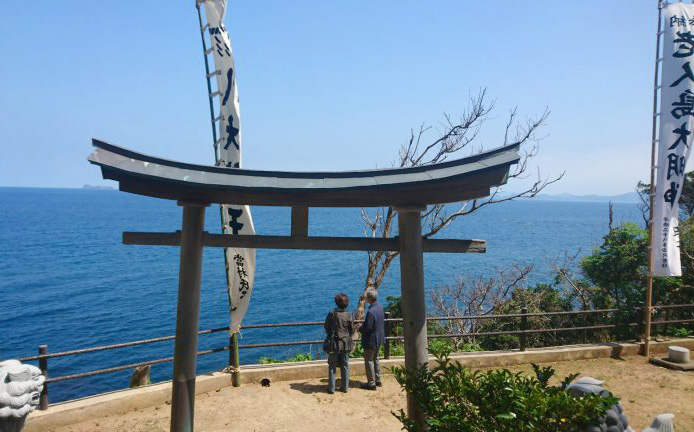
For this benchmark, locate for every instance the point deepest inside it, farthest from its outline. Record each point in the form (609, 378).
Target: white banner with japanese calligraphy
(240, 263)
(674, 145)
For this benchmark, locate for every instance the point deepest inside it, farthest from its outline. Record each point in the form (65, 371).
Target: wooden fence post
(639, 312)
(43, 365)
(386, 347)
(524, 326)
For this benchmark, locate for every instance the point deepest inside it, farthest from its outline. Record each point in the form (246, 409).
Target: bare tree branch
(476, 296)
(563, 266)
(454, 136)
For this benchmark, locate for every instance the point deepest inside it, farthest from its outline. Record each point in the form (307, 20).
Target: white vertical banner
(240, 263)
(674, 141)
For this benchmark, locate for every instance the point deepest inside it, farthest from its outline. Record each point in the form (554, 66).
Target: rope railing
(522, 334)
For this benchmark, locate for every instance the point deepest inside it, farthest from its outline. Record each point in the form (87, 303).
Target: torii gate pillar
(187, 316)
(413, 298)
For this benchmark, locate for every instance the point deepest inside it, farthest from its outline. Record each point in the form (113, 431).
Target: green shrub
(440, 346)
(680, 332)
(456, 399)
(396, 349)
(469, 347)
(298, 357)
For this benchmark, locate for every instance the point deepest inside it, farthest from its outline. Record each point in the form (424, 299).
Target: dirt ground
(305, 406)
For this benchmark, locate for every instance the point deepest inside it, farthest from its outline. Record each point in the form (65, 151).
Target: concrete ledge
(119, 402)
(316, 369)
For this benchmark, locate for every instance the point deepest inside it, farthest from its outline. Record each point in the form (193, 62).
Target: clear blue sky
(326, 85)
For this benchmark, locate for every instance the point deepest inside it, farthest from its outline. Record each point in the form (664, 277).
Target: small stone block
(677, 354)
(672, 365)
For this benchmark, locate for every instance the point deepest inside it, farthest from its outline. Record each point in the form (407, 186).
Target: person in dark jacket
(339, 326)
(372, 337)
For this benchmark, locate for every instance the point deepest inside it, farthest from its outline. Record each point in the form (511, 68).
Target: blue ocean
(67, 281)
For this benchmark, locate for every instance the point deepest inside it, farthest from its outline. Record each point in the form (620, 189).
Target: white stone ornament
(590, 381)
(678, 354)
(20, 391)
(662, 423)
(615, 420)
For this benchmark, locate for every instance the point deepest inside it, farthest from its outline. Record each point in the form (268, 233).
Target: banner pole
(209, 85)
(649, 290)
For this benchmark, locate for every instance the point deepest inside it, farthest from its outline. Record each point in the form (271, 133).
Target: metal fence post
(524, 326)
(234, 360)
(43, 365)
(386, 347)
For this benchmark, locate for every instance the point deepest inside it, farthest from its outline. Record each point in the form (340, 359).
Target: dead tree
(476, 296)
(455, 137)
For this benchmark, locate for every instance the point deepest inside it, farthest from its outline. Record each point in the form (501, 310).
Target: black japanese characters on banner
(683, 49)
(225, 164)
(232, 133)
(230, 84)
(220, 43)
(680, 21)
(234, 224)
(243, 275)
(685, 45)
(684, 106)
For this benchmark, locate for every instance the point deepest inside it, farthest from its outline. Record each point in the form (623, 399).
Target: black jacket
(341, 323)
(372, 332)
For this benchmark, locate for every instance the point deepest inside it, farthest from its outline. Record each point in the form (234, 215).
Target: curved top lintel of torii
(451, 181)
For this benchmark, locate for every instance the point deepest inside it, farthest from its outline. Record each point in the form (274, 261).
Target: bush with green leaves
(456, 399)
(298, 357)
(538, 298)
(680, 332)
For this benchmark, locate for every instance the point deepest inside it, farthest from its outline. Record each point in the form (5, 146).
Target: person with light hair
(372, 338)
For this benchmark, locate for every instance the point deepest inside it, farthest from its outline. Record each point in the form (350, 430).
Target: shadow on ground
(617, 350)
(310, 388)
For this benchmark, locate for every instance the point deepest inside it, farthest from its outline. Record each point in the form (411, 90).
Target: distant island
(92, 187)
(625, 198)
(629, 197)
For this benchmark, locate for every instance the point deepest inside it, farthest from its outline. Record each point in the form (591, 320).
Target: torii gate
(194, 187)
